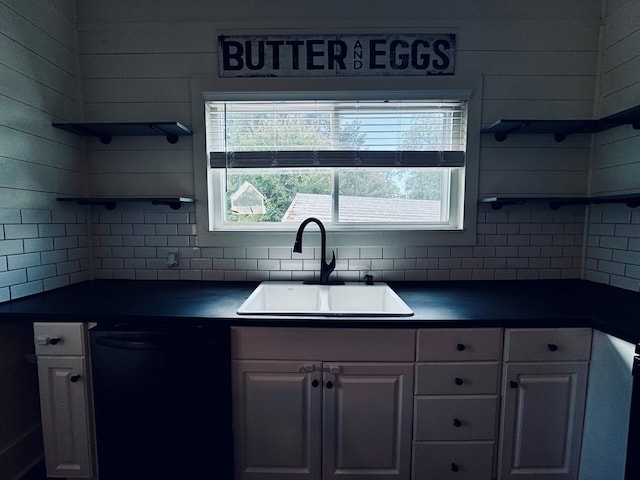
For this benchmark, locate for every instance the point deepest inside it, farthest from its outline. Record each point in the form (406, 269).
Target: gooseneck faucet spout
(325, 267)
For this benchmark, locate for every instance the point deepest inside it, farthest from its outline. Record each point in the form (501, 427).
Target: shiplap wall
(613, 241)
(38, 84)
(538, 61)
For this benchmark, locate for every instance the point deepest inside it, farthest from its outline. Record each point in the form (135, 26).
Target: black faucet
(325, 268)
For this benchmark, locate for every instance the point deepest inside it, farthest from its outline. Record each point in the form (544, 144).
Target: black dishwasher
(162, 401)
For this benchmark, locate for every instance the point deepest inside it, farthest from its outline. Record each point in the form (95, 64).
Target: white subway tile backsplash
(346, 252)
(21, 231)
(518, 242)
(111, 240)
(201, 263)
(238, 252)
(132, 217)
(167, 229)
(154, 241)
(223, 263)
(177, 241)
(14, 262)
(612, 253)
(619, 243)
(40, 272)
(257, 252)
(146, 275)
(10, 215)
(11, 247)
(285, 252)
(374, 252)
(143, 229)
(25, 289)
(12, 277)
(394, 252)
(629, 257)
(155, 217)
(53, 256)
(32, 215)
(624, 282)
(633, 271)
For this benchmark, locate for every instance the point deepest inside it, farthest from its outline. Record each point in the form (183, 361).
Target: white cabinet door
(367, 421)
(276, 419)
(542, 420)
(65, 416)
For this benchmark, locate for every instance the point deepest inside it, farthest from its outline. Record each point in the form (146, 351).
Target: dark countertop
(541, 303)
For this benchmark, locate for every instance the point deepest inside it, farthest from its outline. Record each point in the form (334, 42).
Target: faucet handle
(332, 263)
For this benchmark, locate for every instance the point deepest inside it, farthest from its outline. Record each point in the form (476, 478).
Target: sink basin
(349, 300)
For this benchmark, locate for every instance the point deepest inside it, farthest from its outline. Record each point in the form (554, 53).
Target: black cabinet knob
(457, 423)
(54, 341)
(458, 381)
(552, 347)
(74, 378)
(461, 347)
(315, 383)
(513, 384)
(455, 467)
(329, 384)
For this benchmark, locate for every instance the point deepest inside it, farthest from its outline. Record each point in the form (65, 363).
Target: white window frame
(452, 88)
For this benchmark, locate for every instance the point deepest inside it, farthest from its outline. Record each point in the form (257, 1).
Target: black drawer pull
(552, 347)
(315, 383)
(54, 341)
(461, 347)
(455, 467)
(458, 381)
(513, 384)
(457, 423)
(74, 378)
(329, 384)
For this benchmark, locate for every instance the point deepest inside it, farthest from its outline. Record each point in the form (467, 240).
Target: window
(390, 164)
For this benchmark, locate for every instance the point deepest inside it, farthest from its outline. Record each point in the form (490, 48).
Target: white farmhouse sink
(350, 300)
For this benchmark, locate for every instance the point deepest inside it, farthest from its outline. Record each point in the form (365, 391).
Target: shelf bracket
(171, 138)
(174, 205)
(560, 136)
(502, 136)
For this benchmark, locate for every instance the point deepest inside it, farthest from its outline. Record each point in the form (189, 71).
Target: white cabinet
(277, 419)
(64, 399)
(544, 388)
(456, 403)
(319, 403)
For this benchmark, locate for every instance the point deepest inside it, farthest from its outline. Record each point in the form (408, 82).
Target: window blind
(336, 134)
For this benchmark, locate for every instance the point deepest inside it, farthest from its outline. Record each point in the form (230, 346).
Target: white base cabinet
(64, 399)
(318, 418)
(544, 391)
(456, 403)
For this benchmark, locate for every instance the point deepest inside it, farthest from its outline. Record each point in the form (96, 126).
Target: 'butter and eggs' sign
(336, 55)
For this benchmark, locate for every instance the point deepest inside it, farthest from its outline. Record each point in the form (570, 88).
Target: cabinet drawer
(478, 378)
(59, 338)
(547, 344)
(456, 418)
(459, 345)
(449, 460)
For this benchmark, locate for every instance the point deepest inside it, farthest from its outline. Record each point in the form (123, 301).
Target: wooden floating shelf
(106, 131)
(563, 128)
(175, 203)
(631, 200)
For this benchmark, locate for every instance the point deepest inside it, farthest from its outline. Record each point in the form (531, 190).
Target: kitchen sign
(336, 55)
